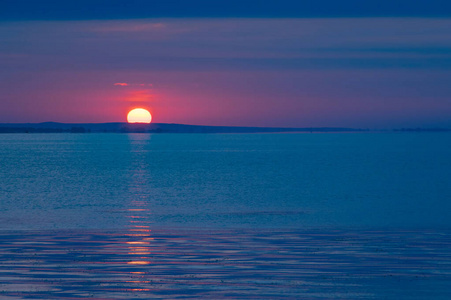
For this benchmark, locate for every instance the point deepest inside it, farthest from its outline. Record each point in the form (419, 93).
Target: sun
(139, 115)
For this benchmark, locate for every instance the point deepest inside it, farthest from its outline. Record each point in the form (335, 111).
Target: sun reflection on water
(139, 246)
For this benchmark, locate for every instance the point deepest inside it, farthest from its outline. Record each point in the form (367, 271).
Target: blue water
(225, 216)
(369, 180)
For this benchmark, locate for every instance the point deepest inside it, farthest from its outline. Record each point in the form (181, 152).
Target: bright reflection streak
(138, 243)
(138, 212)
(138, 262)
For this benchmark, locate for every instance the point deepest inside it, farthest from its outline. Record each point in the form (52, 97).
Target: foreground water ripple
(102, 264)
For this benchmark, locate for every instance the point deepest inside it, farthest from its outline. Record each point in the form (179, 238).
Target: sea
(362, 215)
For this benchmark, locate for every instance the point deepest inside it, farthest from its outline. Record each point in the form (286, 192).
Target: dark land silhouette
(122, 127)
(118, 127)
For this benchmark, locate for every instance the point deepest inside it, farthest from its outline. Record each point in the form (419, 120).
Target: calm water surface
(313, 216)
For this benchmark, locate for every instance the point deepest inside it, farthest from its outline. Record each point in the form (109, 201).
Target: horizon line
(436, 128)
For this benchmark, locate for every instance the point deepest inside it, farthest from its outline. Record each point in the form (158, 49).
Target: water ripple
(140, 263)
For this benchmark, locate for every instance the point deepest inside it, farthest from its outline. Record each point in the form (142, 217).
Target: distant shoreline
(119, 127)
(52, 127)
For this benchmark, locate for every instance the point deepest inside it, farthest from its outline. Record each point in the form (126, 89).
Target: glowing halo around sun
(139, 115)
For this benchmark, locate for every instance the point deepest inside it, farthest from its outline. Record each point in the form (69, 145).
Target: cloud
(134, 84)
(228, 44)
(129, 27)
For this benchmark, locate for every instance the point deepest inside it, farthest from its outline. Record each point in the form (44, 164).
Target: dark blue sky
(132, 9)
(368, 64)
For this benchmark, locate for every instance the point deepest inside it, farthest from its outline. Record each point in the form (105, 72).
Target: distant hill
(53, 127)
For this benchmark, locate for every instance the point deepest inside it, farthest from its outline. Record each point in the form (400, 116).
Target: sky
(241, 63)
